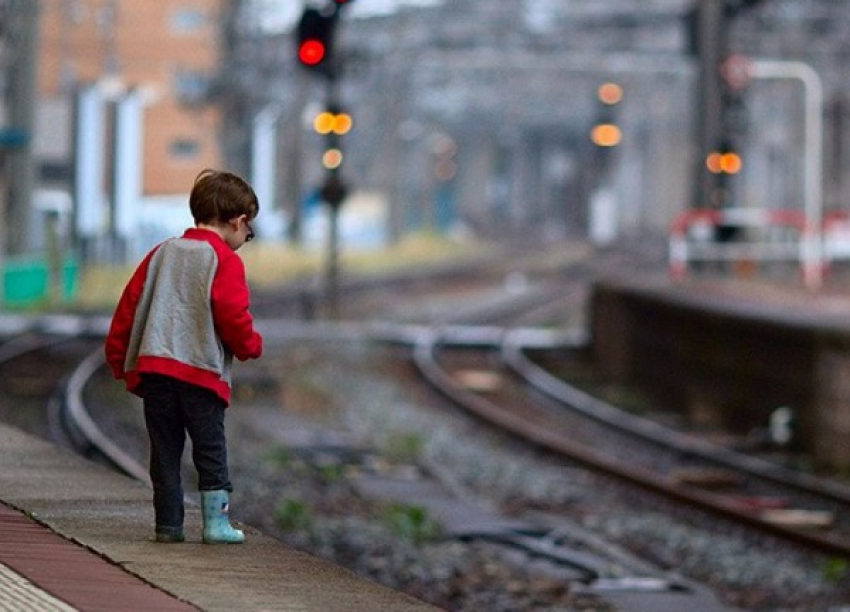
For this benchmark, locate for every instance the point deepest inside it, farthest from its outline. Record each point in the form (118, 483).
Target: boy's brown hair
(218, 196)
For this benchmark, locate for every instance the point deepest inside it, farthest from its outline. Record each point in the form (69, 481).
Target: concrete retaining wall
(728, 363)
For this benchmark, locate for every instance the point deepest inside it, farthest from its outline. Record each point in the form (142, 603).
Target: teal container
(26, 281)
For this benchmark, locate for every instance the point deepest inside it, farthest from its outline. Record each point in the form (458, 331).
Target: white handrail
(813, 180)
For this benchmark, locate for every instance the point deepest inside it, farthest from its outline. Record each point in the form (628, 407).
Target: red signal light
(311, 52)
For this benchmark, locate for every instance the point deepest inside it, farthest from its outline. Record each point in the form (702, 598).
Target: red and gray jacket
(184, 313)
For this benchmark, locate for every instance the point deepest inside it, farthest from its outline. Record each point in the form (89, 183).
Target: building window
(188, 20)
(184, 148)
(191, 86)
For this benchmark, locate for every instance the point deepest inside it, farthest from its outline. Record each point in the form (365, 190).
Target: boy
(181, 319)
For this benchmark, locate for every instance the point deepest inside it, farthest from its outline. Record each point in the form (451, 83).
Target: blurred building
(166, 51)
(502, 94)
(514, 85)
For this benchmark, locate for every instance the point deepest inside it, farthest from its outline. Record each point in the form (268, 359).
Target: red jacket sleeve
(230, 309)
(118, 338)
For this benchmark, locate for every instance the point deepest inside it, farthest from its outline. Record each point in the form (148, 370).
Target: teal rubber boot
(215, 506)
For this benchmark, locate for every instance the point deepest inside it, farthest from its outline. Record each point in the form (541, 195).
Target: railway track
(478, 365)
(49, 361)
(584, 558)
(590, 559)
(35, 362)
(556, 416)
(69, 423)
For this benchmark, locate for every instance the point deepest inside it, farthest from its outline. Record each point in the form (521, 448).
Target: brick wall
(727, 366)
(149, 44)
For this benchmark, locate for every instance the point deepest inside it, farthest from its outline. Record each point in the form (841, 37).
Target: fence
(27, 282)
(747, 235)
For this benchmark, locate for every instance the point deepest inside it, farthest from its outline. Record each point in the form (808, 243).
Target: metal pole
(291, 147)
(813, 174)
(333, 263)
(332, 176)
(711, 45)
(21, 164)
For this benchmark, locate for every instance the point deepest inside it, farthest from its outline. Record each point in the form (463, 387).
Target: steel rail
(68, 402)
(546, 437)
(81, 420)
(514, 355)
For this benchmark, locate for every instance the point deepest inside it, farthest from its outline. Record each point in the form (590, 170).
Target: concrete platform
(77, 536)
(727, 353)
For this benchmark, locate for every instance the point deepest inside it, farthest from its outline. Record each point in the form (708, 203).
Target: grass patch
(270, 265)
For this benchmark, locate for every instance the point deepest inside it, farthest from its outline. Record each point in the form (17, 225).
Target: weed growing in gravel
(279, 456)
(293, 515)
(836, 570)
(404, 447)
(412, 523)
(331, 473)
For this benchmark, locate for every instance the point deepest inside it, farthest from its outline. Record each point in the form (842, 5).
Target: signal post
(721, 115)
(316, 53)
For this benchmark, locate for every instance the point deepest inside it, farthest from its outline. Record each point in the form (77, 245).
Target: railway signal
(333, 121)
(315, 37)
(724, 162)
(721, 113)
(605, 131)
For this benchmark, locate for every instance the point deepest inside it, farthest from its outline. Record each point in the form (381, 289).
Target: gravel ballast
(308, 419)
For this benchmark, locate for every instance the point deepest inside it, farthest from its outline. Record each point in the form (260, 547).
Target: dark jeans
(172, 408)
